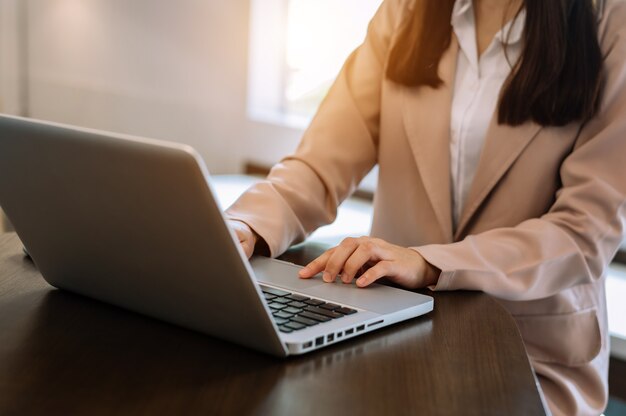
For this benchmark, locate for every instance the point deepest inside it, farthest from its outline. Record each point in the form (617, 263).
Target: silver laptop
(134, 222)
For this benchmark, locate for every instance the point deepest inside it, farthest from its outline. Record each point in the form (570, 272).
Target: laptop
(134, 222)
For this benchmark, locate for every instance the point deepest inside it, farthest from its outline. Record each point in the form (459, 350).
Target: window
(297, 47)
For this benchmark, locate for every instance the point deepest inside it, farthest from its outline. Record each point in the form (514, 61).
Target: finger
(247, 246)
(316, 265)
(338, 258)
(242, 237)
(381, 269)
(361, 256)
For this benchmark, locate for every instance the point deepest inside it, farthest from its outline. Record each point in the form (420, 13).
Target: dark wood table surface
(64, 354)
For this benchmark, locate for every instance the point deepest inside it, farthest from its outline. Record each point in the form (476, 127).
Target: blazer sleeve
(338, 149)
(575, 241)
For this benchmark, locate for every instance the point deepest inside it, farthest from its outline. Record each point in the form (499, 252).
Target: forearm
(536, 259)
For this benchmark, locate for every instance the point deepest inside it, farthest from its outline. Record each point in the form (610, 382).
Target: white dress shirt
(476, 92)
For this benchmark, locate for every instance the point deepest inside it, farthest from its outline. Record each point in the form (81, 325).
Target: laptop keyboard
(293, 312)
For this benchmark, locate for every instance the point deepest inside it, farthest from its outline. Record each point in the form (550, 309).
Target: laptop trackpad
(281, 274)
(376, 298)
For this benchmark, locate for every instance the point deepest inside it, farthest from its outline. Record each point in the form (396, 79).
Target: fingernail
(360, 282)
(326, 277)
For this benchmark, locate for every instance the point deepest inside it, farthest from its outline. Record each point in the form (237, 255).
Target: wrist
(260, 245)
(432, 274)
(254, 236)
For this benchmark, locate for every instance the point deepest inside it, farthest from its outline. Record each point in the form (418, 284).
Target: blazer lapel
(426, 113)
(503, 145)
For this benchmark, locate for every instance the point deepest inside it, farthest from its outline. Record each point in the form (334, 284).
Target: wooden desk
(65, 354)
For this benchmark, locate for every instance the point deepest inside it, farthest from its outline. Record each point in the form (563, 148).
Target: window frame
(268, 68)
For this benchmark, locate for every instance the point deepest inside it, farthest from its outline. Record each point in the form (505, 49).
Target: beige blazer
(543, 220)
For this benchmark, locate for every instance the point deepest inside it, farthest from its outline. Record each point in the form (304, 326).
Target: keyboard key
(284, 329)
(282, 300)
(281, 314)
(330, 306)
(297, 304)
(295, 326)
(277, 306)
(293, 310)
(299, 298)
(315, 302)
(305, 321)
(269, 296)
(315, 316)
(276, 292)
(280, 321)
(324, 312)
(345, 311)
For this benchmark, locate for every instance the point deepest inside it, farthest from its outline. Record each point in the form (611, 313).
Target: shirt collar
(510, 34)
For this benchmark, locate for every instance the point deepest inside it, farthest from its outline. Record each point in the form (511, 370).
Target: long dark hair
(557, 79)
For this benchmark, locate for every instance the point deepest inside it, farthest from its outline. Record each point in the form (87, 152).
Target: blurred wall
(174, 70)
(11, 57)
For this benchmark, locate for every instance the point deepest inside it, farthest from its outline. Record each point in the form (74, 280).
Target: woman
(499, 128)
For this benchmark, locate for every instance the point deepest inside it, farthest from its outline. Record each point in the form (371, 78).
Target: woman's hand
(247, 237)
(373, 258)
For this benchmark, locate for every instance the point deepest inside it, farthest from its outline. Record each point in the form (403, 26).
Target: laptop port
(330, 338)
(307, 344)
(375, 323)
(349, 331)
(360, 328)
(319, 341)
(339, 335)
